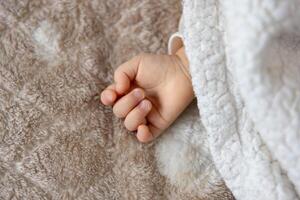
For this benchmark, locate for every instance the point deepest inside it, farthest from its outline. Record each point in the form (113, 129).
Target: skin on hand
(149, 93)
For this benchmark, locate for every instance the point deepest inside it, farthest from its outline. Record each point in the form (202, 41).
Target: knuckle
(117, 113)
(116, 73)
(128, 125)
(142, 55)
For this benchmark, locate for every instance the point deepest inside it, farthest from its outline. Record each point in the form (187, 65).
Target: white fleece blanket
(245, 66)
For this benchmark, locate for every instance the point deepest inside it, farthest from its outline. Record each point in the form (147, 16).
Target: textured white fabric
(245, 65)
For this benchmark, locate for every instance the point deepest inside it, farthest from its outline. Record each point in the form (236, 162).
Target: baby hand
(150, 91)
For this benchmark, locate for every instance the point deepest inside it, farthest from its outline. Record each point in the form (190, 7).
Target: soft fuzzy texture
(244, 61)
(56, 140)
(184, 157)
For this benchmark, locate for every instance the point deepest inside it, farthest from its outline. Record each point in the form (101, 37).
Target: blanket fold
(244, 62)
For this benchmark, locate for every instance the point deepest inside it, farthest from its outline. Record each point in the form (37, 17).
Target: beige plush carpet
(56, 140)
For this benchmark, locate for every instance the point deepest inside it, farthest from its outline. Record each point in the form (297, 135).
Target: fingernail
(145, 105)
(138, 94)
